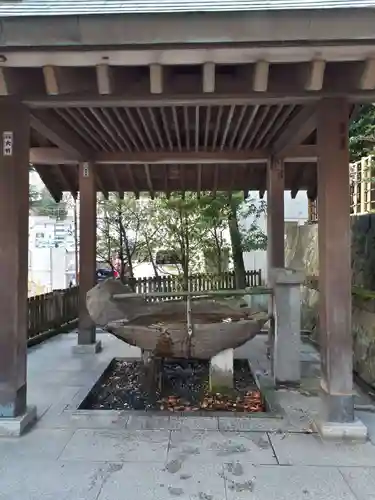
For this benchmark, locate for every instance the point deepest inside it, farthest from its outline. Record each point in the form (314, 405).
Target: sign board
(86, 171)
(8, 143)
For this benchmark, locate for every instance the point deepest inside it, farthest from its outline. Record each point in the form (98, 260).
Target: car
(104, 274)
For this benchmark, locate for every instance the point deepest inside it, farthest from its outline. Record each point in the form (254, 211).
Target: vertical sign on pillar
(14, 213)
(87, 249)
(8, 143)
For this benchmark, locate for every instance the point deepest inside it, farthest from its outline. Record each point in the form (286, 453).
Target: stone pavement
(72, 454)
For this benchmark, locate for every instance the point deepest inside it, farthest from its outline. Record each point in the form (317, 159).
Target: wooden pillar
(275, 232)
(87, 250)
(14, 232)
(275, 213)
(334, 260)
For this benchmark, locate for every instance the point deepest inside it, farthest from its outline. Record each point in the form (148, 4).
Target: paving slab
(299, 449)
(88, 455)
(62, 378)
(188, 482)
(117, 446)
(368, 419)
(145, 422)
(46, 444)
(67, 420)
(263, 424)
(361, 481)
(285, 483)
(219, 447)
(51, 480)
(194, 423)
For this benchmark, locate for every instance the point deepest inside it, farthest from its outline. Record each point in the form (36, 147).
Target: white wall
(50, 268)
(295, 210)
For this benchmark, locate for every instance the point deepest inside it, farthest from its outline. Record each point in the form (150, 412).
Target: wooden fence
(50, 311)
(362, 189)
(197, 282)
(362, 186)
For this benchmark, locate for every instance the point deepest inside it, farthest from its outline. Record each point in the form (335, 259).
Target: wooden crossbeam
(367, 78)
(315, 75)
(57, 156)
(104, 79)
(260, 80)
(209, 75)
(301, 126)
(56, 132)
(156, 79)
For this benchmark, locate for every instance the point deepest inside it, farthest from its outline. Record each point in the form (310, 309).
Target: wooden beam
(367, 78)
(87, 249)
(275, 213)
(335, 274)
(189, 53)
(4, 84)
(292, 154)
(56, 156)
(104, 79)
(315, 75)
(51, 80)
(156, 79)
(65, 181)
(99, 182)
(294, 192)
(132, 181)
(61, 80)
(260, 79)
(115, 179)
(49, 126)
(209, 77)
(45, 177)
(199, 180)
(233, 97)
(52, 156)
(180, 157)
(301, 126)
(216, 180)
(11, 83)
(149, 180)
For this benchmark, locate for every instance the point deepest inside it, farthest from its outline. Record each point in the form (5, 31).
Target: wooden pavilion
(218, 95)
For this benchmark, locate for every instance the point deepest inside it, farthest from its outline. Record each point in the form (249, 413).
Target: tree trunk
(184, 240)
(151, 257)
(218, 253)
(235, 238)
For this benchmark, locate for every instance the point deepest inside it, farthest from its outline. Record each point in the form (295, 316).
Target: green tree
(180, 225)
(44, 204)
(33, 192)
(184, 227)
(128, 229)
(118, 230)
(229, 211)
(362, 133)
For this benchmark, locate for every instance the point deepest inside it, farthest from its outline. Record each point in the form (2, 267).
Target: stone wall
(302, 253)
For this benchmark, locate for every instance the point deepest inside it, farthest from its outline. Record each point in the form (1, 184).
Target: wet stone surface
(181, 386)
